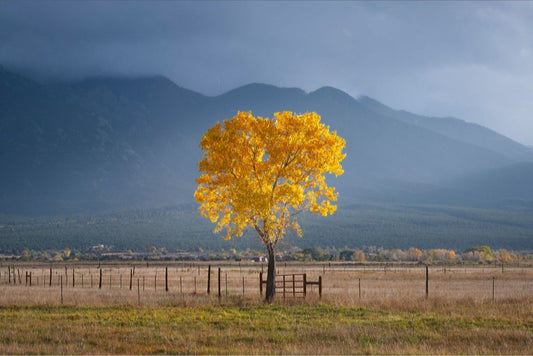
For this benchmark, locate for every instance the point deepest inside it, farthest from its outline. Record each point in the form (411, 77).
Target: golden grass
(300, 328)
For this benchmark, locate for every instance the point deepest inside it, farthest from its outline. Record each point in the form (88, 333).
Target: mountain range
(110, 143)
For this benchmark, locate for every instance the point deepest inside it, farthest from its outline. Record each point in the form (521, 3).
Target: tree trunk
(271, 277)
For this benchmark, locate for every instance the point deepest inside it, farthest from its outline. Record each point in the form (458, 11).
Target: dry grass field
(364, 309)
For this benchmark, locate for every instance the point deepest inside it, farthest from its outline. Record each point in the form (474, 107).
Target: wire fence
(337, 280)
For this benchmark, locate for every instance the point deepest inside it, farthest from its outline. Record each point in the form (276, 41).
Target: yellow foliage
(414, 254)
(451, 255)
(505, 256)
(259, 172)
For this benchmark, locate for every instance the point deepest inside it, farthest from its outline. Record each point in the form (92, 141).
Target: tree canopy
(259, 172)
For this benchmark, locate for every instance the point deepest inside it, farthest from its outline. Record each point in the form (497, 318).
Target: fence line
(359, 281)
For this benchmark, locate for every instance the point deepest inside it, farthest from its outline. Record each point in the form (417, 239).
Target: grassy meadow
(463, 314)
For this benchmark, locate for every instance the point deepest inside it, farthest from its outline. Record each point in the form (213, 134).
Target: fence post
(194, 284)
(305, 284)
(50, 284)
(219, 283)
(261, 283)
(73, 278)
(166, 279)
(427, 281)
(100, 282)
(209, 279)
(359, 288)
(320, 287)
(131, 278)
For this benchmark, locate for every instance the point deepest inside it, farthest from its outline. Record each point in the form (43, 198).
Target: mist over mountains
(110, 144)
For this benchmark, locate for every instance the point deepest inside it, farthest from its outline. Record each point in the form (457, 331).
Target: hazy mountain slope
(162, 121)
(457, 129)
(378, 146)
(115, 143)
(47, 139)
(159, 99)
(507, 184)
(68, 149)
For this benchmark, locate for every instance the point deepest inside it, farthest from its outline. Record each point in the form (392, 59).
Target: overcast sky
(471, 60)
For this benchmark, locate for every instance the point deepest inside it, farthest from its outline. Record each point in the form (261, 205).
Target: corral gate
(291, 285)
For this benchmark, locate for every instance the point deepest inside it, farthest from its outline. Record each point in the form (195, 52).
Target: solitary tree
(260, 173)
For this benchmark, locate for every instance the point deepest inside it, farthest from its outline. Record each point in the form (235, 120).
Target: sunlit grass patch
(293, 329)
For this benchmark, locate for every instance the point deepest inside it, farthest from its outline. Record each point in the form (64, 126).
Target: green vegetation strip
(264, 329)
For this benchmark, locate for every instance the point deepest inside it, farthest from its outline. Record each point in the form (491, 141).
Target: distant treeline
(479, 254)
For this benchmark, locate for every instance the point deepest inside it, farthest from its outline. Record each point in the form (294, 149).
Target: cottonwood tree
(259, 173)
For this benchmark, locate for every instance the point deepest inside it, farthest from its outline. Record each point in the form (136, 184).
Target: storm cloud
(472, 60)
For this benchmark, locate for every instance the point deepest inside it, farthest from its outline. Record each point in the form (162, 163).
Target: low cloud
(472, 60)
